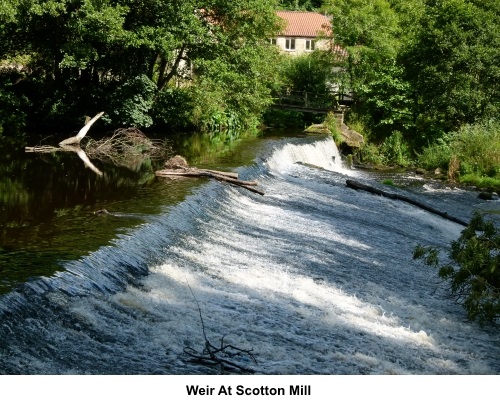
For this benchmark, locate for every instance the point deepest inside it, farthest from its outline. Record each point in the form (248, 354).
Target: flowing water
(316, 278)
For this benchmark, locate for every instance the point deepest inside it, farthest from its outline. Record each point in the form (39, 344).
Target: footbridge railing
(311, 102)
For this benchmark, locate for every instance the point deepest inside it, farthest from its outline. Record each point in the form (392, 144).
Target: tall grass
(475, 146)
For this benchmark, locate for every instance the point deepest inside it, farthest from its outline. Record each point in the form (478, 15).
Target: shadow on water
(315, 277)
(48, 200)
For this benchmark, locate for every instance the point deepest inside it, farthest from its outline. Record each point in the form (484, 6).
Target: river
(313, 277)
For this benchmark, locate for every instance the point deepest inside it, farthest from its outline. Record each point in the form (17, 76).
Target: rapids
(316, 278)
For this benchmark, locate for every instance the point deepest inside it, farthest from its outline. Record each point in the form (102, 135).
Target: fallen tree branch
(76, 139)
(360, 186)
(127, 147)
(217, 175)
(205, 173)
(42, 149)
(212, 355)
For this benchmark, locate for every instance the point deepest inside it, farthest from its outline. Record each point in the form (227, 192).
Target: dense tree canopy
(82, 55)
(453, 63)
(425, 67)
(419, 67)
(370, 32)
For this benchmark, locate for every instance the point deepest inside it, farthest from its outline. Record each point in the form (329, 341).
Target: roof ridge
(304, 23)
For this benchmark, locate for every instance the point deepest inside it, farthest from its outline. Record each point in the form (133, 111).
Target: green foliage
(453, 64)
(131, 102)
(476, 146)
(234, 89)
(370, 153)
(173, 109)
(481, 181)
(435, 156)
(275, 118)
(371, 34)
(308, 5)
(395, 151)
(332, 124)
(90, 55)
(308, 72)
(11, 105)
(474, 269)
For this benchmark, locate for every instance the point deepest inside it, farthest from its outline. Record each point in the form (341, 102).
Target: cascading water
(315, 277)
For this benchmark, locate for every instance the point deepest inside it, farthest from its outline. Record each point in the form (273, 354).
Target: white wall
(300, 45)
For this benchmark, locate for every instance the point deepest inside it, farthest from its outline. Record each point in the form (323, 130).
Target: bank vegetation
(423, 74)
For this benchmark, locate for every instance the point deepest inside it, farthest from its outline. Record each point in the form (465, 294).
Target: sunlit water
(316, 278)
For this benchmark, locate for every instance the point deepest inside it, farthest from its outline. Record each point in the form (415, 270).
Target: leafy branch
(473, 269)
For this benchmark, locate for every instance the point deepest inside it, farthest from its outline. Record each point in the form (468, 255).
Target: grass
(482, 182)
(475, 147)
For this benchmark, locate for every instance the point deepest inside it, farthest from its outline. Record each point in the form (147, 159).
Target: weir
(316, 278)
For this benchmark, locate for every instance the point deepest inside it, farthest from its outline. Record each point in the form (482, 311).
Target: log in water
(356, 185)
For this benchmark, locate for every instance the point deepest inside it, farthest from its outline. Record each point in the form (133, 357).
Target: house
(303, 32)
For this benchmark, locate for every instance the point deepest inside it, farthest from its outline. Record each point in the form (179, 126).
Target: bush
(473, 270)
(370, 153)
(131, 102)
(476, 146)
(435, 155)
(173, 109)
(332, 124)
(395, 150)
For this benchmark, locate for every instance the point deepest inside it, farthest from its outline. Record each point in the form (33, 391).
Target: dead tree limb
(42, 149)
(205, 173)
(226, 174)
(360, 186)
(76, 139)
(211, 355)
(220, 176)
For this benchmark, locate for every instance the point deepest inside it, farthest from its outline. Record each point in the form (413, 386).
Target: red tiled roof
(304, 24)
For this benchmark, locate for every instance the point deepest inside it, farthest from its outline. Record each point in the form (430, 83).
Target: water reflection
(48, 200)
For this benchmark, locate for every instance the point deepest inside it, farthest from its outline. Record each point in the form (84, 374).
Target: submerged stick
(360, 186)
(211, 354)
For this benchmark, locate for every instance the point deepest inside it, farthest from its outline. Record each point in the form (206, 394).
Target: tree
(473, 270)
(370, 33)
(453, 64)
(308, 5)
(88, 55)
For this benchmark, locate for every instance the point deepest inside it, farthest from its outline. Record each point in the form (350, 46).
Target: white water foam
(315, 277)
(322, 153)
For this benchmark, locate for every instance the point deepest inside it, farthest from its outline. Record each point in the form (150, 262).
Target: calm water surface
(48, 201)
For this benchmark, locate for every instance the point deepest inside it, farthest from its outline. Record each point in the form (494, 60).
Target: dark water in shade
(315, 277)
(47, 201)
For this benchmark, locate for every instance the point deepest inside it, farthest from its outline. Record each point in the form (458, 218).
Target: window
(290, 44)
(273, 41)
(310, 45)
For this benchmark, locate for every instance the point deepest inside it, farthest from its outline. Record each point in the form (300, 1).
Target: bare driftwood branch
(360, 186)
(42, 149)
(76, 139)
(178, 167)
(127, 147)
(205, 173)
(212, 355)
(65, 148)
